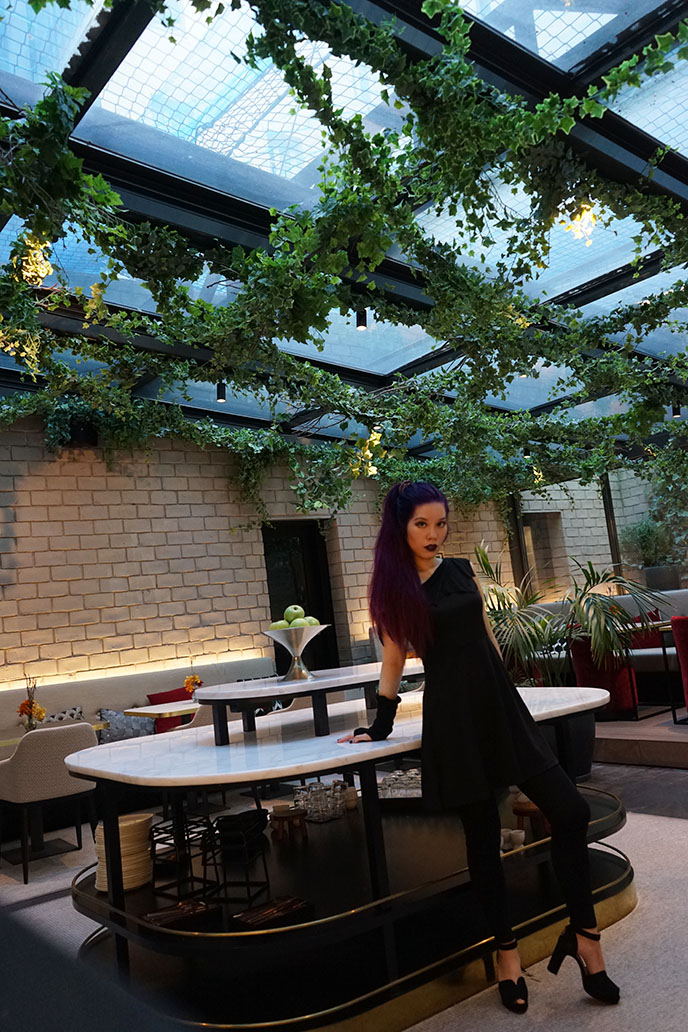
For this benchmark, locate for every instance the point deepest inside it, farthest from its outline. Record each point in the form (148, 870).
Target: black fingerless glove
(382, 726)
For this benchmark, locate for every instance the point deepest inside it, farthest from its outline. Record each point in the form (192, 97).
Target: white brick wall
(147, 564)
(583, 523)
(630, 495)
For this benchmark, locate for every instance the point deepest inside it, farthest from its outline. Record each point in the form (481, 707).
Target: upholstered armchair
(679, 627)
(36, 772)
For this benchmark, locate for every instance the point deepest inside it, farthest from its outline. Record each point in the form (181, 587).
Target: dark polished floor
(659, 790)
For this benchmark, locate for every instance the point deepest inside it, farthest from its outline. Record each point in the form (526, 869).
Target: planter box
(663, 578)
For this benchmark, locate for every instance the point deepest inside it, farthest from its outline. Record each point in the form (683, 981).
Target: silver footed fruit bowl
(294, 640)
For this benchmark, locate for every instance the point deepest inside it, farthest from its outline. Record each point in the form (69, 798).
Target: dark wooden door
(296, 562)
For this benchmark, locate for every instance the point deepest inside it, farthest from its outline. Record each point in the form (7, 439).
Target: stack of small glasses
(321, 802)
(401, 784)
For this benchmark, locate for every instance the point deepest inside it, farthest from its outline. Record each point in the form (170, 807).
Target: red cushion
(618, 680)
(679, 627)
(175, 695)
(647, 639)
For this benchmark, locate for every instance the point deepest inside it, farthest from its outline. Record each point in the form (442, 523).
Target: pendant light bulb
(362, 319)
(676, 411)
(221, 392)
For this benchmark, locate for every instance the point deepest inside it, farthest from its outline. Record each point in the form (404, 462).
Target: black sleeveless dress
(478, 735)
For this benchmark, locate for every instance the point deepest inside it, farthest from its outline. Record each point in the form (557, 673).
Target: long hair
(397, 602)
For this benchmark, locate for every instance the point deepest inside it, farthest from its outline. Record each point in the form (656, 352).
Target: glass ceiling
(80, 264)
(528, 392)
(381, 348)
(32, 46)
(570, 262)
(659, 107)
(190, 108)
(665, 340)
(563, 32)
(197, 95)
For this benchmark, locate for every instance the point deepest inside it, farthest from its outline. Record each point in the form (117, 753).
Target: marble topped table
(247, 696)
(282, 746)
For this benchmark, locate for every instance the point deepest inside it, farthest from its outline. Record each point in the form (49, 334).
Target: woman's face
(426, 531)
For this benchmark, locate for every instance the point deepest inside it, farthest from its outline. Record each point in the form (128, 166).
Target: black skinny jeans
(568, 814)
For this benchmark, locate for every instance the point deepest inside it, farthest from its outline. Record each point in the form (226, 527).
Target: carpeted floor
(645, 954)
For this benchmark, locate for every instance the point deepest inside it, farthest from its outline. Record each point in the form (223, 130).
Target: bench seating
(649, 661)
(120, 692)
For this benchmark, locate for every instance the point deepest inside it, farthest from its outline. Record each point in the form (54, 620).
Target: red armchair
(679, 627)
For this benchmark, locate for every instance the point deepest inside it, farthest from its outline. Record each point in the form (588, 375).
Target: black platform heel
(514, 995)
(599, 985)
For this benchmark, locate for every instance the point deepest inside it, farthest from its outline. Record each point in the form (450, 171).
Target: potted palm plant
(529, 636)
(598, 631)
(522, 626)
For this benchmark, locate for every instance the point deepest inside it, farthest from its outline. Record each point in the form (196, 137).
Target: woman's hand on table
(355, 738)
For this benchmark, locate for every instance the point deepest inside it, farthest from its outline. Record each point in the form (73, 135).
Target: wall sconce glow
(675, 411)
(362, 319)
(221, 392)
(582, 224)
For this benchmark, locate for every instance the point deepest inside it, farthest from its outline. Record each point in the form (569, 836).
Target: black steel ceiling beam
(199, 211)
(203, 214)
(70, 323)
(299, 418)
(610, 282)
(662, 19)
(439, 356)
(105, 47)
(222, 418)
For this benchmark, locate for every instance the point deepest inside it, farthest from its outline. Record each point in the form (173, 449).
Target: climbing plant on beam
(460, 148)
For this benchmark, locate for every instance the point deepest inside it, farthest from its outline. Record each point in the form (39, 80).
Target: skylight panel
(198, 90)
(569, 260)
(558, 31)
(527, 392)
(380, 348)
(31, 45)
(659, 107)
(634, 293)
(665, 340)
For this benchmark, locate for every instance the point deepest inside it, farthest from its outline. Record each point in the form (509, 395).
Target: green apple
(279, 625)
(292, 613)
(312, 621)
(299, 622)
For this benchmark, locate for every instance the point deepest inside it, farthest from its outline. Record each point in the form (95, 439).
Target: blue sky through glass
(558, 31)
(659, 107)
(31, 45)
(196, 91)
(570, 262)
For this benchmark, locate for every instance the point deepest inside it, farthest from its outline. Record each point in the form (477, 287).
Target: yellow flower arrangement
(192, 682)
(31, 710)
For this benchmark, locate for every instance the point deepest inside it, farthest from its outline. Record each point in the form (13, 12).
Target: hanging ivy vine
(461, 147)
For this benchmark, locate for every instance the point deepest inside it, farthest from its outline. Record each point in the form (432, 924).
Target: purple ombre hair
(398, 606)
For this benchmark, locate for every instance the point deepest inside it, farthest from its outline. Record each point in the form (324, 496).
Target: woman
(478, 736)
